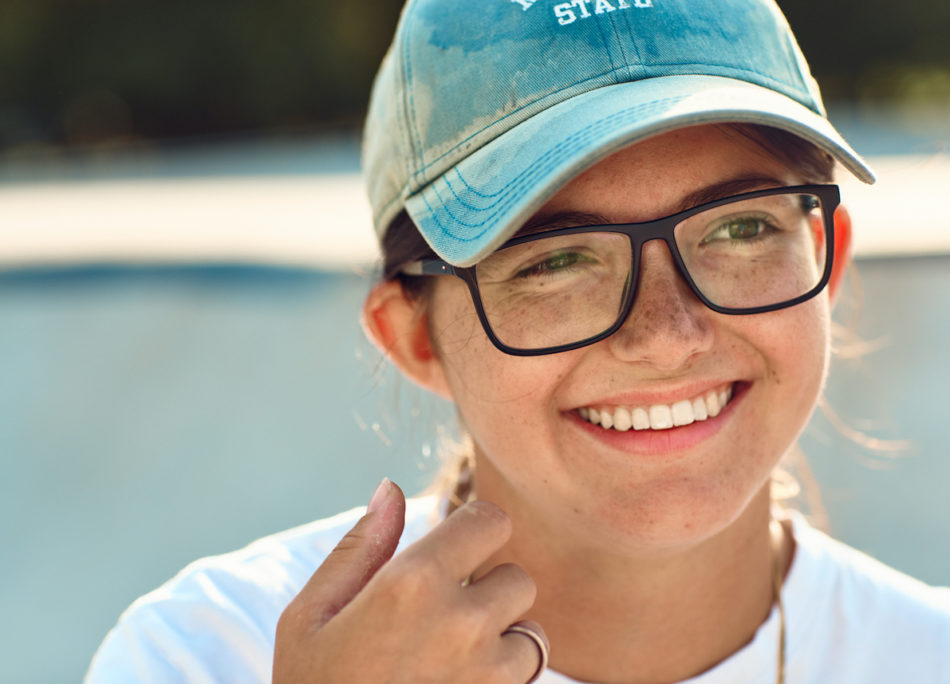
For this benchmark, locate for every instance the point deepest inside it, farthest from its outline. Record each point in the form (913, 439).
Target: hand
(365, 618)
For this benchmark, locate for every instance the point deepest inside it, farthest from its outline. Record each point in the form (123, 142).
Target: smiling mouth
(659, 416)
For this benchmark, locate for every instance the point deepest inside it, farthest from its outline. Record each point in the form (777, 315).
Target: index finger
(464, 540)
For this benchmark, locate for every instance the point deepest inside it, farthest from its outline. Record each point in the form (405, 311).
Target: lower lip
(661, 442)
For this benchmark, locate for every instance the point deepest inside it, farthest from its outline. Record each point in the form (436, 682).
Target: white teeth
(622, 419)
(660, 416)
(699, 409)
(641, 419)
(682, 413)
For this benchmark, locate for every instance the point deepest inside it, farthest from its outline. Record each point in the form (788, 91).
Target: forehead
(662, 175)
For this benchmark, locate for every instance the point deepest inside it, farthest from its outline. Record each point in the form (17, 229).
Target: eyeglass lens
(746, 254)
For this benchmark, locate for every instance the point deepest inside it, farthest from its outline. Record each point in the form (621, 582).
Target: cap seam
(415, 138)
(626, 20)
(613, 65)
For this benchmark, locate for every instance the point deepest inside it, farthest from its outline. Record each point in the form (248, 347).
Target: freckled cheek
(795, 343)
(477, 372)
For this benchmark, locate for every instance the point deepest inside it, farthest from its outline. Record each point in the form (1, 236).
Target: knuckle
(413, 579)
(476, 622)
(352, 541)
(289, 622)
(518, 581)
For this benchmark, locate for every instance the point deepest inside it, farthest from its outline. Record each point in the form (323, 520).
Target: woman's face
(536, 454)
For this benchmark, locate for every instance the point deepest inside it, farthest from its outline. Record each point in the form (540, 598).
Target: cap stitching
(486, 195)
(636, 48)
(623, 53)
(405, 137)
(606, 73)
(551, 152)
(614, 68)
(541, 165)
(411, 113)
(538, 167)
(510, 114)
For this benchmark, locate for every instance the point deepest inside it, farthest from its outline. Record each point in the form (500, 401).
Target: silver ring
(539, 641)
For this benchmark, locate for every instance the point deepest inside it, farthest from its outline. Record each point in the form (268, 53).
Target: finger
(507, 593)
(358, 556)
(464, 540)
(525, 648)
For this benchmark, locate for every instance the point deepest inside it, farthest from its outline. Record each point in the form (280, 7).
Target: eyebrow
(727, 188)
(569, 219)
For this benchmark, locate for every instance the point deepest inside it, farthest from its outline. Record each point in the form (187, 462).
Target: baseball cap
(482, 110)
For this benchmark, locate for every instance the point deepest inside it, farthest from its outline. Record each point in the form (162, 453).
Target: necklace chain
(777, 594)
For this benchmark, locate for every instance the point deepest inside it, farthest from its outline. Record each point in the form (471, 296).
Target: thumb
(358, 556)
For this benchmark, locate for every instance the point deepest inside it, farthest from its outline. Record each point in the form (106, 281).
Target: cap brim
(478, 204)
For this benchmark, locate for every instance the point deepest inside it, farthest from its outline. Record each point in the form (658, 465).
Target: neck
(647, 616)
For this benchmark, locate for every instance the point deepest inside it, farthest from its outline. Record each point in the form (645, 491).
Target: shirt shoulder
(215, 621)
(860, 619)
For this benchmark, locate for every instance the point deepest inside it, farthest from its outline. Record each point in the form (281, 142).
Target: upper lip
(646, 397)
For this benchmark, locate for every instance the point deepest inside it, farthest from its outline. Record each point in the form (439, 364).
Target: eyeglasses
(566, 288)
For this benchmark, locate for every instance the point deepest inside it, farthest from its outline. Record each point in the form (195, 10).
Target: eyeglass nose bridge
(639, 235)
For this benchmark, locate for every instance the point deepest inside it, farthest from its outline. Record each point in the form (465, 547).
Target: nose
(668, 325)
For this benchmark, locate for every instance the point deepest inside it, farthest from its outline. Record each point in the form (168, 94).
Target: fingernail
(379, 496)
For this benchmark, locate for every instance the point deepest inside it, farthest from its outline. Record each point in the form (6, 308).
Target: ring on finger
(539, 641)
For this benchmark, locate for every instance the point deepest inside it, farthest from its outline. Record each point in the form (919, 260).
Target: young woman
(611, 240)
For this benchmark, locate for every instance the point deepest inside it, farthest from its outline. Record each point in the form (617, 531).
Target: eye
(553, 263)
(741, 229)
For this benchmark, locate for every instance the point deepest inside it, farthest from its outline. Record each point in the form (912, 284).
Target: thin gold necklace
(777, 591)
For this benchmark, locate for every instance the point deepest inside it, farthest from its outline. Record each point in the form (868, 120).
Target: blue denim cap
(483, 109)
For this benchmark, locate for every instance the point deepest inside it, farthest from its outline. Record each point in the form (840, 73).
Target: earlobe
(842, 252)
(397, 325)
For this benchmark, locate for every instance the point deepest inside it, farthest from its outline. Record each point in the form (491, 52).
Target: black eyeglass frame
(639, 234)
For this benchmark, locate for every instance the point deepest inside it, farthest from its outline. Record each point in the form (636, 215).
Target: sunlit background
(184, 247)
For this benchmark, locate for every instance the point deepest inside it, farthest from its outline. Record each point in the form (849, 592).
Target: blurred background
(184, 247)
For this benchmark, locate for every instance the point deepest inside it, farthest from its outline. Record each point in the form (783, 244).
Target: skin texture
(651, 556)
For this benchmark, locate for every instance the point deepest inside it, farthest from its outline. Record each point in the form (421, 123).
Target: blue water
(152, 416)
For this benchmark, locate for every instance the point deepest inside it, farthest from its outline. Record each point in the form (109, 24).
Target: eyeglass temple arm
(428, 267)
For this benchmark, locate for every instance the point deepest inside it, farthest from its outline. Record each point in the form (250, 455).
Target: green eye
(555, 262)
(741, 229)
(744, 228)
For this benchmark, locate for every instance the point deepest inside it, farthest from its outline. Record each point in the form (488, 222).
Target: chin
(675, 514)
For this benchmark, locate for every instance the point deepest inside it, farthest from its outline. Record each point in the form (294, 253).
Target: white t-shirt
(849, 618)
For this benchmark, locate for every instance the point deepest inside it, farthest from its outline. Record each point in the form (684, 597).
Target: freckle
(577, 511)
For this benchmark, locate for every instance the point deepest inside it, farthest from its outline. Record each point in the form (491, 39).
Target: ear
(398, 326)
(842, 255)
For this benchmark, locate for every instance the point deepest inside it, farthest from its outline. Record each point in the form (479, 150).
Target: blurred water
(152, 416)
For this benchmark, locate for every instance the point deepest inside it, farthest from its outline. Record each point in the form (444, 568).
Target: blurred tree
(83, 71)
(79, 72)
(873, 49)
